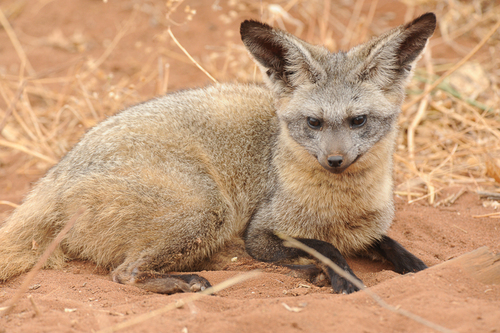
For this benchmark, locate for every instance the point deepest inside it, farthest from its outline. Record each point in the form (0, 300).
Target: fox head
(338, 105)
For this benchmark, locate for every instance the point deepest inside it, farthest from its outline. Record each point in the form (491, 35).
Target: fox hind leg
(177, 241)
(134, 274)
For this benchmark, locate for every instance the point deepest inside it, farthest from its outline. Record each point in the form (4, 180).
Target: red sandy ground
(82, 298)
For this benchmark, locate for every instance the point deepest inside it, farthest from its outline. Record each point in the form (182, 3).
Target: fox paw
(342, 286)
(162, 283)
(409, 264)
(195, 282)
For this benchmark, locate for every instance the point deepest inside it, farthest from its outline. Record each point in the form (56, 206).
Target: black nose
(335, 161)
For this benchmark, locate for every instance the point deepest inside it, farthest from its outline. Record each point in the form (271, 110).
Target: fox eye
(358, 121)
(314, 123)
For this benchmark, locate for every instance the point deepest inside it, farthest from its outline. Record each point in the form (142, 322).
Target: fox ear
(285, 60)
(389, 59)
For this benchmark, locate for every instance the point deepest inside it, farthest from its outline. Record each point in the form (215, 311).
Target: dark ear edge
(247, 25)
(416, 33)
(260, 41)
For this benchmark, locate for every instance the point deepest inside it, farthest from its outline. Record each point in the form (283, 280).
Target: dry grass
(450, 137)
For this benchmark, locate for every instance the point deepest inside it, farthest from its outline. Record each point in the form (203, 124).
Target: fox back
(164, 184)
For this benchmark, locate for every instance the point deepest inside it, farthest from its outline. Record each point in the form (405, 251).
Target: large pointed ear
(285, 60)
(390, 58)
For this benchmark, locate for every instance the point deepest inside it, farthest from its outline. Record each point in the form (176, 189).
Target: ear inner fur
(390, 57)
(415, 38)
(285, 60)
(259, 40)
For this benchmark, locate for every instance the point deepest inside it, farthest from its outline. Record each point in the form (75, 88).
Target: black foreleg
(402, 259)
(269, 247)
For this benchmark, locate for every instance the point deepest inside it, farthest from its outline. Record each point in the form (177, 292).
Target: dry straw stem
(17, 45)
(209, 291)
(163, 73)
(12, 104)
(454, 68)
(189, 56)
(27, 280)
(289, 241)
(486, 215)
(8, 203)
(27, 151)
(33, 304)
(432, 194)
(489, 195)
(86, 97)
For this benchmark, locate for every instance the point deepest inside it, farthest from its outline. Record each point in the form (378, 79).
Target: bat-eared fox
(163, 185)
